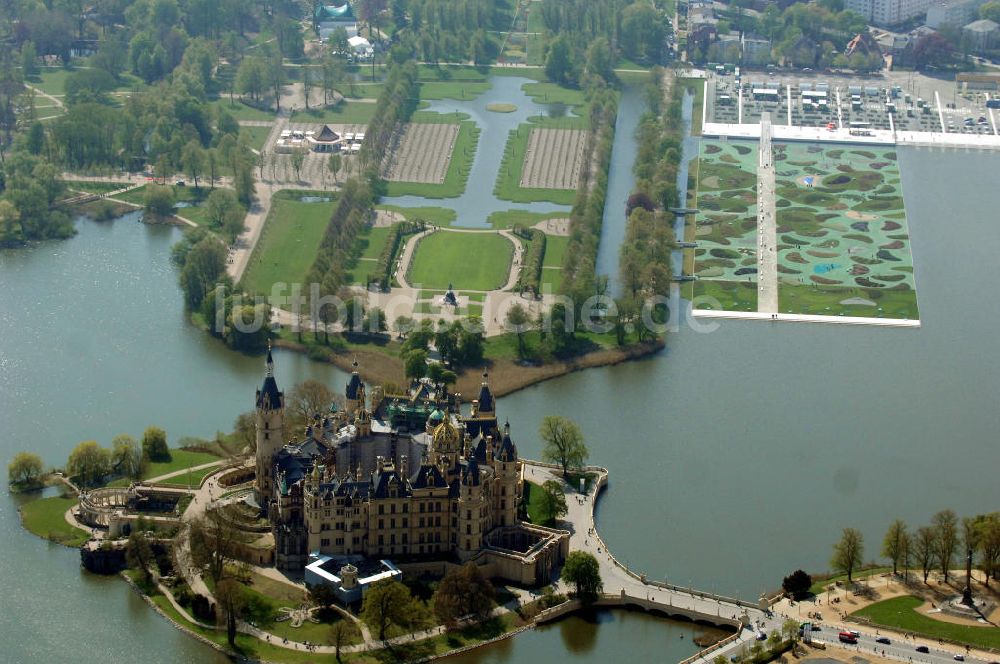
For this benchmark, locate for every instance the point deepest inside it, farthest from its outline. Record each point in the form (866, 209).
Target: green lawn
(469, 261)
(458, 168)
(548, 93)
(900, 613)
(93, 187)
(459, 90)
(553, 277)
(241, 111)
(819, 585)
(511, 218)
(508, 185)
(698, 85)
(45, 517)
(555, 250)
(348, 112)
(288, 244)
(51, 80)
(826, 301)
(255, 137)
(193, 478)
(179, 460)
(361, 90)
(438, 216)
(730, 296)
(533, 493)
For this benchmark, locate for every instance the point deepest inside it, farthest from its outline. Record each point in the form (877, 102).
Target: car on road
(883, 639)
(959, 658)
(923, 649)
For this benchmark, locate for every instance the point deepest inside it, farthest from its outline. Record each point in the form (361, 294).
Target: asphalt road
(904, 650)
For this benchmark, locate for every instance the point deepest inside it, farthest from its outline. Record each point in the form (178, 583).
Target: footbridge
(625, 587)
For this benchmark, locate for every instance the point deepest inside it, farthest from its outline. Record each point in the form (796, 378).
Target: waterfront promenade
(767, 233)
(626, 587)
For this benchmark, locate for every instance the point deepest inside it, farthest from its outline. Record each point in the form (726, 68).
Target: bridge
(683, 210)
(625, 587)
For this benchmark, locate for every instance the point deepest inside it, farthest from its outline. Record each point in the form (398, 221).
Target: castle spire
(269, 363)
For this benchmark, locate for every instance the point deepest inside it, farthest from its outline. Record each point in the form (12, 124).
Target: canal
(736, 456)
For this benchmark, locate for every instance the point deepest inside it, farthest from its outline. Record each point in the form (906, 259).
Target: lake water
(735, 456)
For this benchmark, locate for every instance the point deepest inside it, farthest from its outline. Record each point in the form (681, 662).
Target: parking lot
(903, 101)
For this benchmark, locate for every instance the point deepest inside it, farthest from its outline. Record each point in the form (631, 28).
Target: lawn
(348, 112)
(698, 85)
(255, 137)
(819, 585)
(459, 90)
(438, 216)
(288, 243)
(192, 478)
(827, 301)
(94, 187)
(469, 261)
(511, 218)
(533, 499)
(45, 517)
(549, 93)
(179, 460)
(555, 250)
(900, 613)
(241, 111)
(458, 168)
(551, 280)
(725, 295)
(508, 186)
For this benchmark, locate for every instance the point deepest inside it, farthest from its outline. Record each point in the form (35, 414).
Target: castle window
(266, 436)
(468, 529)
(406, 523)
(340, 541)
(381, 524)
(437, 521)
(381, 540)
(421, 508)
(437, 535)
(503, 504)
(468, 514)
(503, 491)
(468, 544)
(267, 425)
(392, 523)
(406, 508)
(392, 539)
(404, 538)
(392, 508)
(381, 509)
(324, 542)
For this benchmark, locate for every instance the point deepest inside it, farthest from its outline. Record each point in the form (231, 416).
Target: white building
(888, 12)
(953, 12)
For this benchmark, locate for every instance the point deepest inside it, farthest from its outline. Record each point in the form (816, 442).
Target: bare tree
(892, 545)
(946, 528)
(848, 552)
(924, 549)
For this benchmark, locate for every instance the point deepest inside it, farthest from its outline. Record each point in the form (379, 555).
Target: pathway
(623, 582)
(257, 214)
(767, 234)
(167, 476)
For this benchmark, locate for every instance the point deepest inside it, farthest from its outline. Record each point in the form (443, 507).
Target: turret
(269, 416)
(355, 392)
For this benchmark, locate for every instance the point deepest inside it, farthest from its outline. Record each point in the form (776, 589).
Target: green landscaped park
(347, 112)
(180, 459)
(288, 243)
(467, 261)
(46, 517)
(371, 241)
(901, 613)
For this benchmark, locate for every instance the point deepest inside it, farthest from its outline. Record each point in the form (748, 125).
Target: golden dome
(445, 437)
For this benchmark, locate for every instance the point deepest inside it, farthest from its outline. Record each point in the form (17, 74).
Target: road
(904, 650)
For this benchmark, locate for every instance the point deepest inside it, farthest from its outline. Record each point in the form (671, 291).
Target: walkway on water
(767, 233)
(635, 589)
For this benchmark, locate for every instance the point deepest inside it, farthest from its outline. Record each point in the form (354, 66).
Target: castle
(405, 477)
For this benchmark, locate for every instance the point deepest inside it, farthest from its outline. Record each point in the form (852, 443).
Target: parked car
(959, 658)
(923, 649)
(883, 639)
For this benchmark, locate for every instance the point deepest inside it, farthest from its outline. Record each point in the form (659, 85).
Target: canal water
(736, 455)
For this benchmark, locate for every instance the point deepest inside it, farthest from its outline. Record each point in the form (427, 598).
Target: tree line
(447, 30)
(635, 30)
(940, 545)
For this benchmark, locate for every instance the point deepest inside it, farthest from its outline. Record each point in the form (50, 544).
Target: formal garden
(467, 261)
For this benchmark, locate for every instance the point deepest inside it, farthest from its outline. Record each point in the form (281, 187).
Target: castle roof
(269, 397)
(427, 476)
(485, 396)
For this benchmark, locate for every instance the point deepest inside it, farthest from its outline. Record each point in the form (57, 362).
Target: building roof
(427, 476)
(326, 135)
(353, 385)
(983, 25)
(335, 12)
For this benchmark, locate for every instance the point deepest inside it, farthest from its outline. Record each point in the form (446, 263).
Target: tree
(848, 552)
(154, 445)
(797, 584)
(158, 200)
(893, 544)
(945, 525)
(642, 32)
(298, 158)
(990, 546)
(402, 326)
(387, 603)
(232, 600)
(553, 502)
(415, 364)
(126, 456)
(559, 62)
(139, 554)
(563, 442)
(212, 539)
(25, 469)
(307, 399)
(225, 212)
(463, 592)
(193, 158)
(924, 548)
(245, 431)
(518, 320)
(339, 634)
(333, 164)
(600, 60)
(990, 11)
(583, 571)
(89, 463)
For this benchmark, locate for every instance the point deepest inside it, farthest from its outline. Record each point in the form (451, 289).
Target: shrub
(531, 268)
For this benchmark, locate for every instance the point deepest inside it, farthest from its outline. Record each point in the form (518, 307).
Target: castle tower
(487, 405)
(471, 511)
(355, 392)
(270, 421)
(508, 473)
